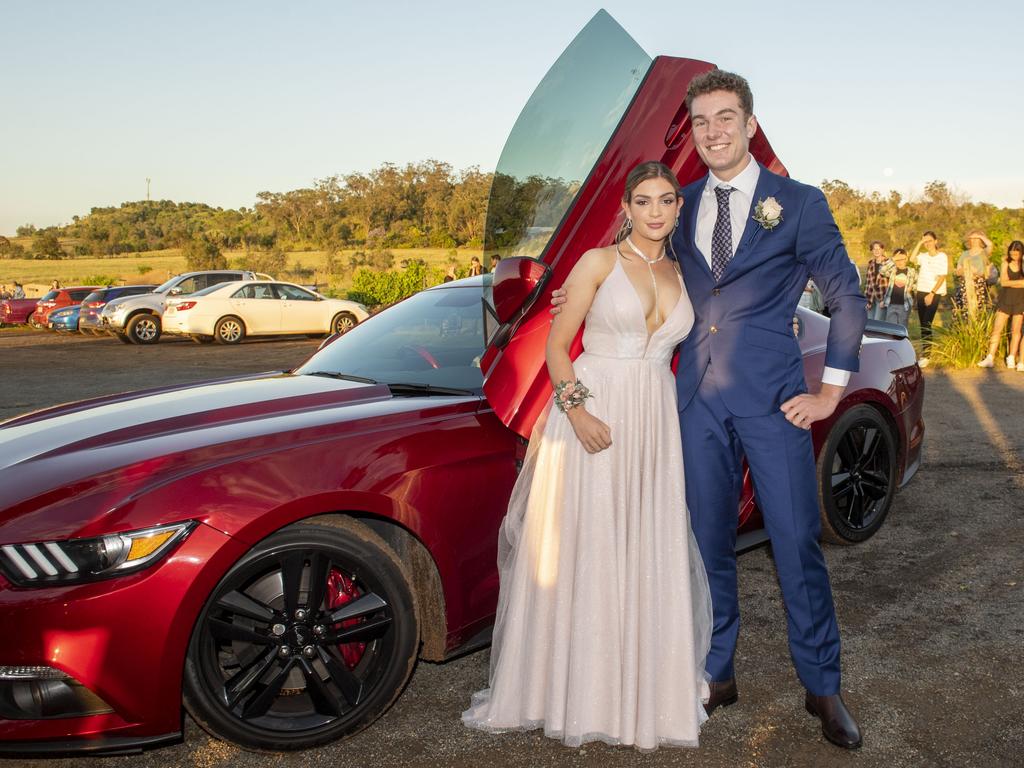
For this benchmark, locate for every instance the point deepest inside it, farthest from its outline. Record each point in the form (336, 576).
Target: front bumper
(124, 639)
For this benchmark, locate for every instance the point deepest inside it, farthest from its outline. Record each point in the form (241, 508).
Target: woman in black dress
(1009, 307)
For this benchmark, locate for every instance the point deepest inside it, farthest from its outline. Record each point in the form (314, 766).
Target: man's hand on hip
(803, 410)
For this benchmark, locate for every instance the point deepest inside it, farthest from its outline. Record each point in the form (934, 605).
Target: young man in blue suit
(747, 242)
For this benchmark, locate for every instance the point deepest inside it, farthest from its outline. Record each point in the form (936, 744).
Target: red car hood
(91, 457)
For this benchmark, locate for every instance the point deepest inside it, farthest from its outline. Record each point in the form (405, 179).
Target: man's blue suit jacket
(744, 322)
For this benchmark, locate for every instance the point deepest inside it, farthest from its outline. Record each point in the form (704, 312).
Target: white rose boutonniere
(768, 213)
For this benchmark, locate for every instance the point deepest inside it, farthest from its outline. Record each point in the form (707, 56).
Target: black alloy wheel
(343, 322)
(856, 476)
(309, 638)
(143, 329)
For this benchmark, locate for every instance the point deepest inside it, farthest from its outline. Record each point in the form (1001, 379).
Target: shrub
(99, 280)
(272, 261)
(143, 268)
(47, 246)
(383, 288)
(202, 253)
(963, 342)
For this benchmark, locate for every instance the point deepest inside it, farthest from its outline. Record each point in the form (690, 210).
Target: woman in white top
(933, 268)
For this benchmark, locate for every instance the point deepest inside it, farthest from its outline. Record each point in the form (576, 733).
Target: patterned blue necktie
(721, 236)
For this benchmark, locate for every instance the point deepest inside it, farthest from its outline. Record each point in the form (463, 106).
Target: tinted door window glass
(294, 293)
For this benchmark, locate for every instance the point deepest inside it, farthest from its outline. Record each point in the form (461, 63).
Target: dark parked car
(92, 305)
(275, 551)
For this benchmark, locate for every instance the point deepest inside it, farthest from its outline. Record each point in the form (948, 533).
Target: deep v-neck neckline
(640, 301)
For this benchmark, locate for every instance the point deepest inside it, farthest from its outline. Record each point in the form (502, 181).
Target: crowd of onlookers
(17, 291)
(897, 284)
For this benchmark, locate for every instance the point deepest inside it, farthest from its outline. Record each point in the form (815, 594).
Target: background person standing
(933, 271)
(874, 282)
(899, 293)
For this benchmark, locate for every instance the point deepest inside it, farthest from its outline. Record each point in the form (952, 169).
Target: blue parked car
(92, 305)
(64, 319)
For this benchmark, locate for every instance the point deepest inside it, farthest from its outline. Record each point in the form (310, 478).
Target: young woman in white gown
(604, 614)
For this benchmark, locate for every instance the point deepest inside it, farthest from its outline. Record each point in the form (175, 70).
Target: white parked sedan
(229, 312)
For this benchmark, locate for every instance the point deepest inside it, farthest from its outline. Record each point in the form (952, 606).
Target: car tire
(857, 469)
(239, 684)
(143, 329)
(343, 322)
(229, 330)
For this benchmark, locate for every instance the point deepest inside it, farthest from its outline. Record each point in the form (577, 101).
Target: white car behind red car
(229, 312)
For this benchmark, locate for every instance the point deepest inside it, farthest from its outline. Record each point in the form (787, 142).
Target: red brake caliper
(342, 590)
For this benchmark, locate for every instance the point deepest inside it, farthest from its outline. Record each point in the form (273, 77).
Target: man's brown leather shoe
(723, 694)
(837, 724)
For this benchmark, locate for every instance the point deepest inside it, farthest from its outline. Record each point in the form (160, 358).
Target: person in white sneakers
(1010, 307)
(933, 270)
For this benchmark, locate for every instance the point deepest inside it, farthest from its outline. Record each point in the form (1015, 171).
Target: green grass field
(156, 266)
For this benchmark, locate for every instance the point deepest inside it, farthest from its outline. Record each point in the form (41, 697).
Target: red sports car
(16, 311)
(274, 552)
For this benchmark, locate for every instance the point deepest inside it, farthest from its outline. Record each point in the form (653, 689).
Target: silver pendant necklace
(650, 269)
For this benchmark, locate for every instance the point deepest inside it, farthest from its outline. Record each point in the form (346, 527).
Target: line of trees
(429, 204)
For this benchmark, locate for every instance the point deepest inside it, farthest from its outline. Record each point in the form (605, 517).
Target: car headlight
(77, 560)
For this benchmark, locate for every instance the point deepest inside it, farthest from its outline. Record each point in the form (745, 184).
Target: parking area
(931, 609)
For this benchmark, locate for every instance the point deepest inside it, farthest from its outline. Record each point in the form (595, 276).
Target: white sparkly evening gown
(604, 614)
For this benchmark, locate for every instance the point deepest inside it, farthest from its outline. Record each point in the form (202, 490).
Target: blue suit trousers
(782, 465)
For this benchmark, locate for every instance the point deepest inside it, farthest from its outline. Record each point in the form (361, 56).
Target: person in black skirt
(1009, 307)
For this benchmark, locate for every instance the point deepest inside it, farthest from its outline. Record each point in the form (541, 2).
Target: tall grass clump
(963, 342)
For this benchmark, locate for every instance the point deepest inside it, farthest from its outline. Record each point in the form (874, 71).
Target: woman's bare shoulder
(595, 264)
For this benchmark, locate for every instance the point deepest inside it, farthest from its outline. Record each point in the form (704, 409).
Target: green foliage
(271, 261)
(202, 253)
(963, 342)
(26, 230)
(98, 280)
(143, 268)
(46, 245)
(383, 288)
(9, 250)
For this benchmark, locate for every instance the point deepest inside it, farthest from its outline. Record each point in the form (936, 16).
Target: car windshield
(50, 296)
(559, 135)
(166, 286)
(94, 296)
(434, 338)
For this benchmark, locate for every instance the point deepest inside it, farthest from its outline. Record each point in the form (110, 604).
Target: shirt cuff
(835, 376)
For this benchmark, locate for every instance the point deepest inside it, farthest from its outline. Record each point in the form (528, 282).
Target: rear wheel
(343, 322)
(143, 329)
(229, 330)
(307, 639)
(856, 476)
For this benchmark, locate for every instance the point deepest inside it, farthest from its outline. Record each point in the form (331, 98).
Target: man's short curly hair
(720, 80)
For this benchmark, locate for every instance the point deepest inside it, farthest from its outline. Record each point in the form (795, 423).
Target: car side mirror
(517, 281)
(174, 291)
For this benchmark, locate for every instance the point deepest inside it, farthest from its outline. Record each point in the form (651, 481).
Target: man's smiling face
(722, 132)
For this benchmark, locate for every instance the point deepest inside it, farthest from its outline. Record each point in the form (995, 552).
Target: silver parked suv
(138, 318)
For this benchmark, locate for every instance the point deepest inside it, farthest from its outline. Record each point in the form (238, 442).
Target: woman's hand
(590, 430)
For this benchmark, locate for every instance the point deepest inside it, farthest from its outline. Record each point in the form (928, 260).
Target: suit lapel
(690, 208)
(767, 185)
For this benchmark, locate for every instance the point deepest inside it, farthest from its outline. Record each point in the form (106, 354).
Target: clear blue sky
(216, 101)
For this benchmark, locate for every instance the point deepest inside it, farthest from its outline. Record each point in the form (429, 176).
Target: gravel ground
(931, 609)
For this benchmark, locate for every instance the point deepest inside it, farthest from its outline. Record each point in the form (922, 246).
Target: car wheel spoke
(875, 485)
(292, 566)
(362, 606)
(349, 685)
(324, 699)
(319, 570)
(364, 632)
(243, 680)
(872, 439)
(259, 704)
(847, 451)
(240, 603)
(226, 630)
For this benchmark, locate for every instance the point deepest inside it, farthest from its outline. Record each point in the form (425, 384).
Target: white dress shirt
(744, 183)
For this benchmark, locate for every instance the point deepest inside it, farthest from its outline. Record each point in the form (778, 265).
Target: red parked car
(275, 551)
(16, 311)
(55, 299)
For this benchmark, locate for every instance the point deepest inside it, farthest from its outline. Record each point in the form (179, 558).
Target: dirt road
(931, 609)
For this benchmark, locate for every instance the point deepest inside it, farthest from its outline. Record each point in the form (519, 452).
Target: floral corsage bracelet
(570, 394)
